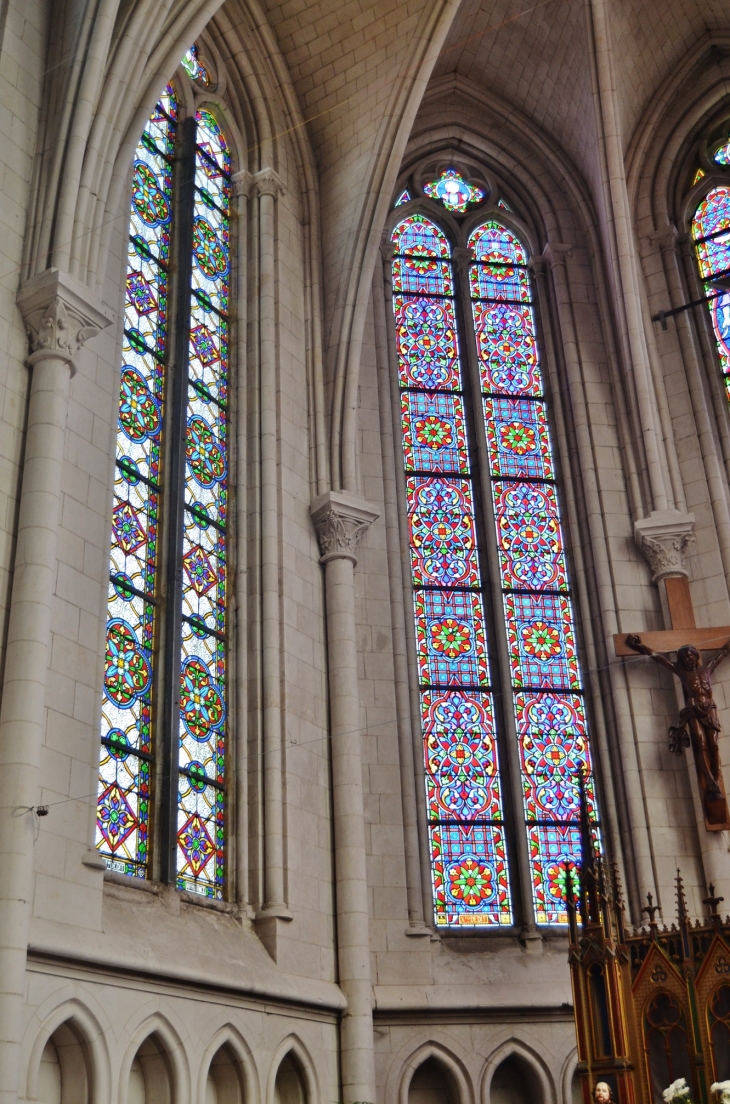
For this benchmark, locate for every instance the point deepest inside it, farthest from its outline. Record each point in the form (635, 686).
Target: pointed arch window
(163, 737)
(498, 668)
(711, 235)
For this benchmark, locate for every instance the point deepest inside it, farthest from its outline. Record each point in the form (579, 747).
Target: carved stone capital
(663, 538)
(243, 183)
(60, 315)
(267, 182)
(557, 253)
(341, 519)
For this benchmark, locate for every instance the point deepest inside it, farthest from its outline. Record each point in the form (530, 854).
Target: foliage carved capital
(341, 520)
(663, 538)
(60, 315)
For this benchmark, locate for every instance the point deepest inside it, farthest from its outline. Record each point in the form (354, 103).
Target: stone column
(59, 315)
(267, 186)
(341, 519)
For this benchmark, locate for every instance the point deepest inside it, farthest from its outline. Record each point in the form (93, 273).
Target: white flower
(723, 1088)
(676, 1090)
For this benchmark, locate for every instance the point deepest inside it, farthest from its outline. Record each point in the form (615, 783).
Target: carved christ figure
(698, 726)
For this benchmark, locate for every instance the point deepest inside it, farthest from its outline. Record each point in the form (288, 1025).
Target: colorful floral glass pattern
(126, 752)
(546, 677)
(453, 191)
(468, 849)
(202, 757)
(711, 233)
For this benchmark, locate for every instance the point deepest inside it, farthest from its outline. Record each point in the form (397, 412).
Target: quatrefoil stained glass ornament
(453, 191)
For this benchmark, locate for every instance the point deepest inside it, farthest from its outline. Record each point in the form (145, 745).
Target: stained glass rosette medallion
(202, 760)
(126, 752)
(711, 234)
(466, 823)
(545, 672)
(453, 191)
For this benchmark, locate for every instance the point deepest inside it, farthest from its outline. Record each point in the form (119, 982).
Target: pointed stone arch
(230, 1041)
(446, 1060)
(163, 1062)
(83, 1057)
(292, 1047)
(520, 1053)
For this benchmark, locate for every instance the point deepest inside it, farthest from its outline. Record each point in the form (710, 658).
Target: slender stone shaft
(56, 327)
(341, 519)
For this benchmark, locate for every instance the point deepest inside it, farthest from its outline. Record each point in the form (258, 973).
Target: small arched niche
(150, 1075)
(289, 1087)
(515, 1082)
(432, 1083)
(63, 1075)
(223, 1084)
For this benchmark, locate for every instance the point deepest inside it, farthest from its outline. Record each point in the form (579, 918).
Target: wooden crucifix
(698, 725)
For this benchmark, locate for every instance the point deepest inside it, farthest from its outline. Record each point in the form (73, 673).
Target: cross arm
(670, 640)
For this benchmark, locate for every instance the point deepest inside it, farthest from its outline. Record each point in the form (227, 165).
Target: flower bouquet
(678, 1093)
(723, 1088)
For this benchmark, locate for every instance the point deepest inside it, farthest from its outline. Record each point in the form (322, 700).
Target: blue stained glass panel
(551, 847)
(468, 859)
(419, 236)
(541, 640)
(469, 875)
(553, 737)
(426, 341)
(530, 543)
(462, 769)
(419, 275)
(203, 674)
(507, 349)
(712, 218)
(517, 438)
(126, 725)
(550, 720)
(434, 435)
(442, 532)
(451, 638)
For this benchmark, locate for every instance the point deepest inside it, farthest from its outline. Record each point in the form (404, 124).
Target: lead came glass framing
(201, 800)
(544, 668)
(711, 233)
(126, 753)
(466, 822)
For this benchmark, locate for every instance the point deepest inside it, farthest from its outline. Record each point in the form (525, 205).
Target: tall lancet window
(494, 630)
(711, 234)
(163, 754)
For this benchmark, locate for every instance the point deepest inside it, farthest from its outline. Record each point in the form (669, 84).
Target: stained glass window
(711, 234)
(455, 664)
(722, 155)
(537, 609)
(190, 609)
(453, 191)
(194, 67)
(698, 176)
(466, 822)
(404, 197)
(201, 810)
(126, 734)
